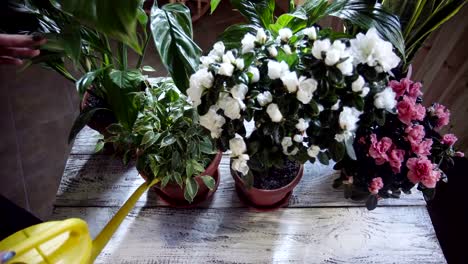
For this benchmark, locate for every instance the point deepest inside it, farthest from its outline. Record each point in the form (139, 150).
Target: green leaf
(99, 146)
(167, 141)
(178, 178)
(172, 33)
(323, 158)
(214, 4)
(189, 170)
(142, 17)
(294, 21)
(148, 69)
(290, 59)
(86, 80)
(191, 189)
(127, 79)
(232, 36)
(371, 202)
(259, 12)
(165, 180)
(147, 137)
(209, 181)
(206, 146)
(71, 40)
(80, 122)
(117, 19)
(337, 150)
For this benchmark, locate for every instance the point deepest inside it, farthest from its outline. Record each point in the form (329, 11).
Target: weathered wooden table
(318, 226)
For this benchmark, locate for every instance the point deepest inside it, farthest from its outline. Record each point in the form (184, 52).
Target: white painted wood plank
(237, 235)
(101, 180)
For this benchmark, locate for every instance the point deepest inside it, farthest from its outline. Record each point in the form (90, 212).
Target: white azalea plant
(304, 91)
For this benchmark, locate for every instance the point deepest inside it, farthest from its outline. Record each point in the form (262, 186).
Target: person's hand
(6, 256)
(14, 48)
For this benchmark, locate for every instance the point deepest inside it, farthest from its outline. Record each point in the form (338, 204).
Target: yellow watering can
(66, 241)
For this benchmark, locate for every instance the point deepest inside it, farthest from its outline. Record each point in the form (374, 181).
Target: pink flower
(400, 87)
(395, 159)
(423, 148)
(422, 170)
(375, 185)
(378, 149)
(362, 140)
(459, 154)
(415, 133)
(449, 139)
(408, 110)
(415, 90)
(442, 113)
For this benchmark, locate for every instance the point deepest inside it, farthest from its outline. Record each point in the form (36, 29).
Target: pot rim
(293, 183)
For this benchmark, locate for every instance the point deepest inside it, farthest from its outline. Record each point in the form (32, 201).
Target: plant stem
(142, 56)
(123, 56)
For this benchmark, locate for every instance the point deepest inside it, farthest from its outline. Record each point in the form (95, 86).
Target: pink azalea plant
(398, 148)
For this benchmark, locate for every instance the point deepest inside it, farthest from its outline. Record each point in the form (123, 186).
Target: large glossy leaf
(117, 19)
(258, 12)
(362, 14)
(172, 33)
(233, 35)
(81, 121)
(294, 21)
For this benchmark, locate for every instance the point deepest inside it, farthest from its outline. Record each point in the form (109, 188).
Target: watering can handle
(101, 240)
(73, 225)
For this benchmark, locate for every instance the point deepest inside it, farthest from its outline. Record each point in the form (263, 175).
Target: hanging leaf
(86, 80)
(167, 140)
(81, 121)
(209, 181)
(191, 189)
(172, 33)
(117, 19)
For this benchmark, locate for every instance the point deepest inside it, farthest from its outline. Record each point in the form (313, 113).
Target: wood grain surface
(101, 180)
(294, 235)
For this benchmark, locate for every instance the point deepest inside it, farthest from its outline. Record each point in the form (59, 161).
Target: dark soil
(277, 178)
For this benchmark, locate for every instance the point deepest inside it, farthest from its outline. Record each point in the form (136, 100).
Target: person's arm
(14, 48)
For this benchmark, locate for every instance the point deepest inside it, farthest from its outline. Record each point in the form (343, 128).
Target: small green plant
(169, 142)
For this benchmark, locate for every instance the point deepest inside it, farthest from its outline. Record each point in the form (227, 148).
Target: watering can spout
(66, 241)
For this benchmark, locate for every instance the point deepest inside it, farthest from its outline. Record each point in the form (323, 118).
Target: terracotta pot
(173, 194)
(101, 119)
(266, 199)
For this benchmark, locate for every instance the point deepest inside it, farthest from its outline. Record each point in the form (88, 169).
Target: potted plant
(171, 145)
(399, 150)
(300, 86)
(95, 39)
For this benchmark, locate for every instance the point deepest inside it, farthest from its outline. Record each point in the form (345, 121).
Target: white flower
(311, 33)
(239, 91)
(272, 50)
(230, 106)
(343, 136)
(336, 106)
(240, 164)
(274, 113)
(239, 63)
(285, 34)
(265, 98)
(218, 49)
(306, 89)
(370, 49)
(248, 43)
(348, 118)
(255, 74)
(332, 57)
(358, 84)
(213, 122)
(319, 47)
(229, 57)
(302, 125)
(287, 49)
(206, 61)
(276, 69)
(261, 36)
(346, 67)
(298, 138)
(313, 151)
(226, 69)
(199, 81)
(286, 142)
(237, 146)
(290, 80)
(320, 107)
(385, 99)
(365, 92)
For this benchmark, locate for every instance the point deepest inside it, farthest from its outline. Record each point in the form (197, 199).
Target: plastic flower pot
(173, 194)
(266, 199)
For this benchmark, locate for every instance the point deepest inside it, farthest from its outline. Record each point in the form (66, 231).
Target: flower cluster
(304, 91)
(399, 147)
